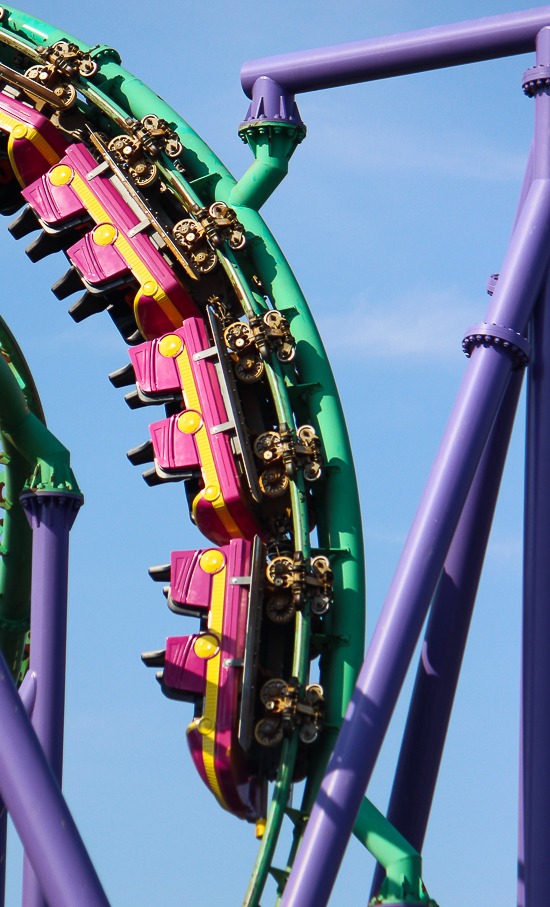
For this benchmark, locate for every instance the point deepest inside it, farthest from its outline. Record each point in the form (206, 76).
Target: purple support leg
(51, 515)
(3, 844)
(536, 626)
(445, 640)
(521, 837)
(39, 812)
(389, 654)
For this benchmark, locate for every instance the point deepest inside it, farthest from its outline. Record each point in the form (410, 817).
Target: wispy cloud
(372, 146)
(422, 324)
(508, 549)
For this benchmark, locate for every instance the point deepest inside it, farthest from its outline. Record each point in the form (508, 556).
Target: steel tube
(401, 54)
(445, 640)
(520, 899)
(51, 516)
(3, 848)
(389, 653)
(536, 617)
(39, 812)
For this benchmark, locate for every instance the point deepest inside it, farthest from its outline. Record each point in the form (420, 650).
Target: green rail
(310, 390)
(32, 458)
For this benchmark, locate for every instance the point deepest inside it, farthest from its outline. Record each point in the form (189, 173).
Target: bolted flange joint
(501, 337)
(535, 80)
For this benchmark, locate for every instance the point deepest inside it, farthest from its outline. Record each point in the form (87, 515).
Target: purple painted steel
(398, 55)
(536, 586)
(51, 516)
(27, 692)
(536, 626)
(271, 103)
(39, 812)
(525, 186)
(392, 646)
(445, 640)
(521, 842)
(3, 844)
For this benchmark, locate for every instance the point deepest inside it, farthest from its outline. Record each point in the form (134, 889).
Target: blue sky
(398, 206)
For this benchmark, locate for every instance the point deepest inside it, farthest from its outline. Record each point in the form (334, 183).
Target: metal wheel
(320, 604)
(279, 572)
(273, 482)
(249, 369)
(320, 565)
(267, 446)
(286, 353)
(187, 232)
(280, 608)
(308, 733)
(205, 259)
(273, 689)
(273, 319)
(144, 173)
(237, 240)
(314, 693)
(306, 434)
(150, 121)
(238, 336)
(87, 68)
(66, 94)
(172, 147)
(35, 72)
(269, 731)
(218, 209)
(124, 147)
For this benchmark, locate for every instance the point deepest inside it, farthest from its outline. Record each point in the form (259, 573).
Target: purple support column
(445, 640)
(39, 812)
(3, 844)
(398, 55)
(51, 515)
(536, 615)
(392, 646)
(521, 842)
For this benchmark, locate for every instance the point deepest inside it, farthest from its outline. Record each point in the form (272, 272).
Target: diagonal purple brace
(39, 812)
(445, 640)
(390, 651)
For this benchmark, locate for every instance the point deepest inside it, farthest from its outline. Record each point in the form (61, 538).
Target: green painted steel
(117, 94)
(24, 431)
(272, 145)
(16, 547)
(33, 458)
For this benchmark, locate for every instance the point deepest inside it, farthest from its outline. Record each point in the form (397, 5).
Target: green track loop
(117, 94)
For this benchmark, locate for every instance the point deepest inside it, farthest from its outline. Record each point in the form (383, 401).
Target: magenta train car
(113, 251)
(198, 437)
(208, 667)
(34, 145)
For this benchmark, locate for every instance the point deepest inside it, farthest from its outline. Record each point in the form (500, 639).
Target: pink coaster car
(118, 249)
(204, 435)
(207, 667)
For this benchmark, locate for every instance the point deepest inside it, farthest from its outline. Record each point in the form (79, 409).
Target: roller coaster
(247, 422)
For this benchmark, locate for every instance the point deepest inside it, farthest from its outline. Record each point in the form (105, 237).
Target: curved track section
(247, 419)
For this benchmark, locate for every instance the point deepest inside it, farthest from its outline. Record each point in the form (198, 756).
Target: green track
(110, 96)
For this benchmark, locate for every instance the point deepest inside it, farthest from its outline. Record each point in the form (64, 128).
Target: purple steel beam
(398, 55)
(38, 810)
(3, 845)
(536, 616)
(390, 651)
(520, 900)
(51, 516)
(445, 640)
